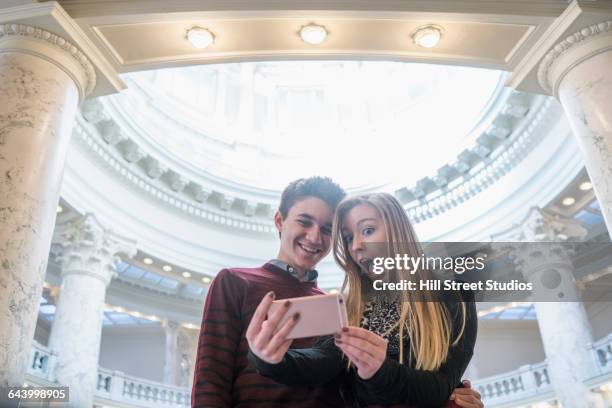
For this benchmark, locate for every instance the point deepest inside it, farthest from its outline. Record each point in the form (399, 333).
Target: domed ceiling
(198, 155)
(365, 124)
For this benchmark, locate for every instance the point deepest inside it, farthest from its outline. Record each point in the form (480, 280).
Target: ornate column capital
(541, 225)
(541, 247)
(87, 248)
(531, 243)
(52, 48)
(171, 326)
(571, 51)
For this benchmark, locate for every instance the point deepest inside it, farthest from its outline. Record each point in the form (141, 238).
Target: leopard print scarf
(379, 316)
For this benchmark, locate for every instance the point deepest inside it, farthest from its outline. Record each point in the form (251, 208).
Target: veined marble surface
(38, 102)
(75, 336)
(586, 95)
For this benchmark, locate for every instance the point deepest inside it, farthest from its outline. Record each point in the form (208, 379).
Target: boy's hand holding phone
(265, 341)
(288, 319)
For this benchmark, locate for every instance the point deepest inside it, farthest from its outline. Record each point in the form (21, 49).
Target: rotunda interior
(146, 165)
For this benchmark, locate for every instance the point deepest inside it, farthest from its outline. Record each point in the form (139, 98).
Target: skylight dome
(264, 124)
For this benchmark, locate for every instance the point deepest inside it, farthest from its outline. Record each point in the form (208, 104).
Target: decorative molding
(246, 8)
(183, 202)
(58, 42)
(506, 157)
(566, 45)
(500, 148)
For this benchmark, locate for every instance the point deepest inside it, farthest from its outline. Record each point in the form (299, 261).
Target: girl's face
(362, 226)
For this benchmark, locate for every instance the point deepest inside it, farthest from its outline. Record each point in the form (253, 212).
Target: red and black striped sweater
(223, 375)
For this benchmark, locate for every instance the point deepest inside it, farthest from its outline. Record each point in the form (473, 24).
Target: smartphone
(319, 315)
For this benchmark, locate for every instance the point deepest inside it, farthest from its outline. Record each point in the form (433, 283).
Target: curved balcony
(529, 384)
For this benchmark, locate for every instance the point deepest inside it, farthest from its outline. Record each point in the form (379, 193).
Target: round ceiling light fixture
(567, 201)
(313, 34)
(206, 279)
(167, 268)
(148, 261)
(427, 36)
(200, 37)
(186, 274)
(585, 186)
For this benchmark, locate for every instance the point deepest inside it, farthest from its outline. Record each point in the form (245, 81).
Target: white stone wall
(505, 346)
(41, 334)
(135, 351)
(600, 316)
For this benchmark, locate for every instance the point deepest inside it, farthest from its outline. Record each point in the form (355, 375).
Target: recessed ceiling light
(167, 268)
(206, 279)
(186, 274)
(427, 36)
(313, 34)
(59, 209)
(567, 201)
(200, 37)
(148, 261)
(586, 186)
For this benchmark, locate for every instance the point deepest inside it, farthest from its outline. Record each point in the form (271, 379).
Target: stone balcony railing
(528, 384)
(531, 383)
(138, 392)
(114, 388)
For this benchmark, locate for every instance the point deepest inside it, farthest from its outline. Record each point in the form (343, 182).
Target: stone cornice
(567, 45)
(8, 31)
(179, 200)
(578, 14)
(507, 139)
(508, 156)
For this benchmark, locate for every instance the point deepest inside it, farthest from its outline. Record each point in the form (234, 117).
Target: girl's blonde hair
(428, 322)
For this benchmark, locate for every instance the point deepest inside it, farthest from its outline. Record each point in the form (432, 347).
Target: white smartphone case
(319, 315)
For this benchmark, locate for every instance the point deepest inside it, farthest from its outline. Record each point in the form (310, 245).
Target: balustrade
(527, 382)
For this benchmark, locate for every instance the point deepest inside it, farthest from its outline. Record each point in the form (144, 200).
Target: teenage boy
(223, 376)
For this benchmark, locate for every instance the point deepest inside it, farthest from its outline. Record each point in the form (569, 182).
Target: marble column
(578, 70)
(171, 355)
(538, 252)
(188, 347)
(42, 79)
(88, 255)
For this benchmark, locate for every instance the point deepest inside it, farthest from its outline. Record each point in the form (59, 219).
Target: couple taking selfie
(396, 351)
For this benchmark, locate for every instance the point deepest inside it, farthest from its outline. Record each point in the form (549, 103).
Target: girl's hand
(366, 350)
(467, 397)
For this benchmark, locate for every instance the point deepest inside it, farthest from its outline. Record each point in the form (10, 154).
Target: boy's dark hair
(321, 187)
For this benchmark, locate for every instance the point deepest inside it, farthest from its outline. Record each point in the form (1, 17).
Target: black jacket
(393, 383)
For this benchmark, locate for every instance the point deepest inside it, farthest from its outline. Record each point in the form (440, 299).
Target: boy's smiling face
(305, 233)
